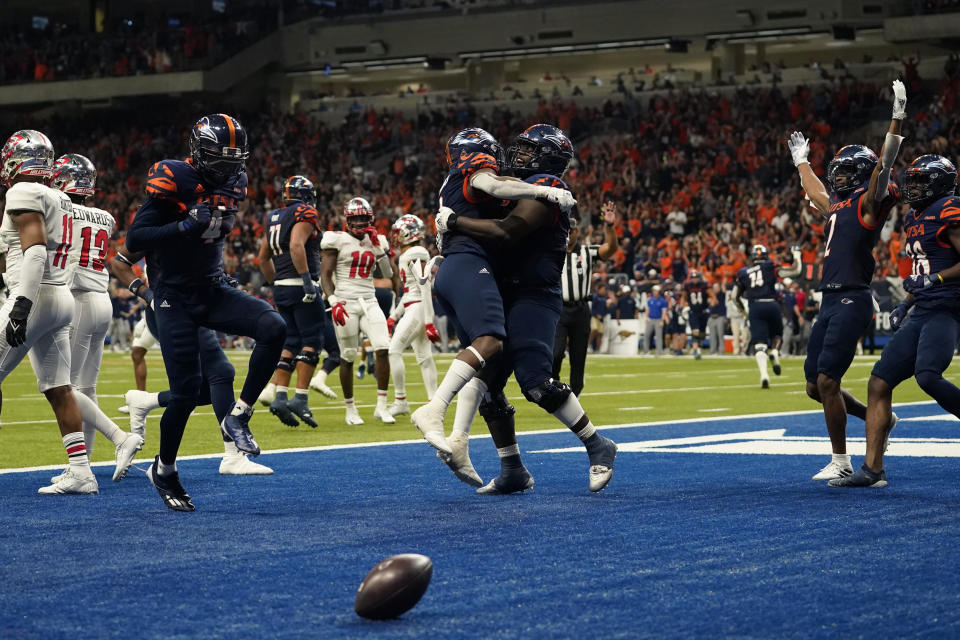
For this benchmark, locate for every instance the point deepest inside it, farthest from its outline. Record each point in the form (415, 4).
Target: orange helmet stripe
(232, 128)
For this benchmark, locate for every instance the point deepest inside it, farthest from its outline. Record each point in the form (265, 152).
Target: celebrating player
(465, 282)
(189, 210)
(536, 234)
(856, 209)
(346, 274)
(290, 259)
(412, 318)
(923, 345)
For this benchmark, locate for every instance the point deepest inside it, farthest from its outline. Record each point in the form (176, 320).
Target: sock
(77, 453)
(239, 408)
(468, 401)
(92, 415)
(428, 368)
(172, 423)
(162, 399)
(761, 358)
(399, 374)
(458, 375)
(166, 469)
(263, 363)
(282, 392)
(349, 404)
(509, 458)
(398, 399)
(381, 398)
(301, 393)
(321, 377)
(89, 436)
(841, 458)
(230, 449)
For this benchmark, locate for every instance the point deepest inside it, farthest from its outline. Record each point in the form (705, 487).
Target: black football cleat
(280, 407)
(170, 489)
(765, 384)
(518, 481)
(237, 428)
(298, 407)
(864, 477)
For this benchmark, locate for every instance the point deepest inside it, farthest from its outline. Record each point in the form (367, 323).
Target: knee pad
(310, 358)
(285, 364)
(271, 329)
(495, 406)
(349, 355)
(549, 395)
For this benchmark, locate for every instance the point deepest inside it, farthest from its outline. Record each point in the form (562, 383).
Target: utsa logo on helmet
(471, 140)
(218, 147)
(850, 168)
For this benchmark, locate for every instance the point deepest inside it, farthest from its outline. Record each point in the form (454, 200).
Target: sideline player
(695, 299)
(855, 211)
(37, 227)
(923, 345)
(411, 320)
(290, 260)
(759, 282)
(536, 234)
(346, 275)
(465, 283)
(189, 210)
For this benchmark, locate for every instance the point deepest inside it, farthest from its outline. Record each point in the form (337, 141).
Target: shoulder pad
(169, 179)
(546, 180)
(950, 209)
(306, 213)
(27, 197)
(331, 240)
(470, 163)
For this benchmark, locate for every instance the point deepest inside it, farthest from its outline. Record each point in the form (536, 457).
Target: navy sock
(509, 464)
(172, 424)
(263, 361)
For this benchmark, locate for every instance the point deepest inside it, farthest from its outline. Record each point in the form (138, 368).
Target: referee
(574, 325)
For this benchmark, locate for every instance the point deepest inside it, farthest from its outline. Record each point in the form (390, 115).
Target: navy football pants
(844, 317)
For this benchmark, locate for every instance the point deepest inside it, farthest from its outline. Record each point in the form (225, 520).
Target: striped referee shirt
(576, 275)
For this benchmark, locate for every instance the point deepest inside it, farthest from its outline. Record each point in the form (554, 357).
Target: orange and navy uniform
(455, 194)
(279, 227)
(926, 243)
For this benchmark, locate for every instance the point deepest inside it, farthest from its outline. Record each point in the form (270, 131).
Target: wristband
(940, 277)
(124, 259)
(452, 220)
(308, 284)
(135, 285)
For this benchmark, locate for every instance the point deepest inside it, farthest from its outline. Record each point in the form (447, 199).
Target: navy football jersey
(696, 295)
(280, 223)
(173, 187)
(537, 261)
(454, 193)
(848, 257)
(931, 252)
(759, 281)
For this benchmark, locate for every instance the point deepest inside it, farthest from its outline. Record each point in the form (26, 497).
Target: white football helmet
(408, 229)
(358, 214)
(27, 153)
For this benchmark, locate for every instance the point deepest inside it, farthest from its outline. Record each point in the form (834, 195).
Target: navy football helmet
(218, 147)
(74, 174)
(542, 148)
(850, 168)
(759, 253)
(473, 140)
(299, 189)
(928, 178)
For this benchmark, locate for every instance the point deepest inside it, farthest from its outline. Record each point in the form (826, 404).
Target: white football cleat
(459, 460)
(399, 408)
(125, 453)
(71, 483)
(322, 388)
(353, 416)
(124, 409)
(63, 474)
(384, 416)
(886, 436)
(430, 423)
(834, 470)
(238, 464)
(268, 394)
(139, 403)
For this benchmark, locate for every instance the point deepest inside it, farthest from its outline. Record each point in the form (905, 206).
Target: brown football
(393, 586)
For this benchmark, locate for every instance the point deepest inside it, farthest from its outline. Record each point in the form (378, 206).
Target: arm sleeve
(150, 227)
(31, 271)
(505, 189)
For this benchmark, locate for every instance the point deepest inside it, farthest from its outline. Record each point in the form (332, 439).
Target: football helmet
(358, 214)
(218, 147)
(542, 148)
(408, 229)
(759, 253)
(850, 168)
(473, 140)
(299, 189)
(74, 174)
(694, 274)
(26, 153)
(929, 178)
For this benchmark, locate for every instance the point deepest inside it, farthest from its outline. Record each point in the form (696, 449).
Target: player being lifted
(290, 260)
(857, 207)
(37, 227)
(465, 281)
(346, 275)
(412, 317)
(695, 299)
(536, 235)
(923, 345)
(758, 282)
(190, 208)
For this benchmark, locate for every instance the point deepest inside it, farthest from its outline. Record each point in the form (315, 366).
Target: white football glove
(799, 148)
(441, 219)
(561, 197)
(899, 100)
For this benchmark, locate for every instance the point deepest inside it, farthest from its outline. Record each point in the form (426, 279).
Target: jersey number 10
(362, 264)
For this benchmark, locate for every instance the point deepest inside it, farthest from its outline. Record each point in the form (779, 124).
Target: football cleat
(384, 416)
(63, 474)
(268, 394)
(601, 465)
(765, 383)
(139, 404)
(864, 477)
(280, 407)
(316, 385)
(459, 460)
(886, 436)
(518, 481)
(125, 453)
(237, 428)
(833, 471)
(298, 407)
(168, 486)
(775, 358)
(353, 416)
(239, 464)
(71, 483)
(430, 423)
(124, 409)
(361, 371)
(399, 408)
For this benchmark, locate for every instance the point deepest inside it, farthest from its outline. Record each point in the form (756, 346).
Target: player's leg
(348, 338)
(143, 341)
(560, 341)
(775, 316)
(466, 287)
(498, 413)
(374, 325)
(423, 352)
(579, 337)
(308, 317)
(933, 358)
(280, 382)
(331, 362)
(403, 335)
(760, 338)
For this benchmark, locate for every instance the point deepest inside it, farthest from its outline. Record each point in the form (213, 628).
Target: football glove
(445, 220)
(432, 334)
(899, 314)
(799, 148)
(391, 325)
(17, 324)
(899, 100)
(918, 283)
(561, 197)
(309, 288)
(371, 232)
(197, 220)
(338, 311)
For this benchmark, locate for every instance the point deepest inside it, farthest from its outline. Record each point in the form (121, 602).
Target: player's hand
(918, 283)
(309, 288)
(799, 148)
(17, 324)
(445, 219)
(561, 197)
(899, 314)
(371, 232)
(432, 334)
(391, 324)
(609, 212)
(899, 100)
(339, 313)
(197, 220)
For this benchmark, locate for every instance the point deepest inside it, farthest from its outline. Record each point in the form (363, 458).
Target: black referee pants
(573, 329)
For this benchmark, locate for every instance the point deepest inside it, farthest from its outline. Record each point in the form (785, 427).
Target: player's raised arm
(816, 192)
(609, 246)
(878, 189)
(525, 218)
(796, 267)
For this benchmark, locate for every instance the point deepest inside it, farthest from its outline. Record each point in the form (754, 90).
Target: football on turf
(393, 586)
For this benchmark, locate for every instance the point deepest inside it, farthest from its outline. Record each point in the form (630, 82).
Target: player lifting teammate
(855, 212)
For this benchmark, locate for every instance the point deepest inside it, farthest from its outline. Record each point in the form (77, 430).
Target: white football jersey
(409, 272)
(92, 229)
(57, 212)
(356, 259)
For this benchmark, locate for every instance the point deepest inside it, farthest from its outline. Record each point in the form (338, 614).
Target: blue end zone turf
(701, 534)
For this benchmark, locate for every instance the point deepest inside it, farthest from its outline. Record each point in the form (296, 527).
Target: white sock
(77, 453)
(164, 469)
(399, 374)
(349, 404)
(429, 370)
(153, 401)
(512, 450)
(458, 375)
(570, 412)
(468, 401)
(761, 358)
(301, 392)
(282, 390)
(92, 415)
(230, 449)
(89, 436)
(239, 408)
(842, 458)
(381, 399)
